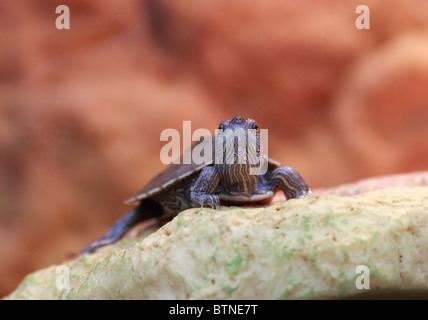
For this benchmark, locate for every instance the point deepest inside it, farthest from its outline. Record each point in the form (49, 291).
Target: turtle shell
(173, 173)
(179, 172)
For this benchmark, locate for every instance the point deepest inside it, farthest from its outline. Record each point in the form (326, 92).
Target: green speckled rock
(306, 248)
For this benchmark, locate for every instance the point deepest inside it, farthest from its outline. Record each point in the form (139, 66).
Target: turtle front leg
(290, 182)
(202, 192)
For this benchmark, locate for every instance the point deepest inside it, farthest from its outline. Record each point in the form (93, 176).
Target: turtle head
(238, 124)
(238, 142)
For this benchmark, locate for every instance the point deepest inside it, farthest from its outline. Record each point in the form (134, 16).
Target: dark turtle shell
(179, 172)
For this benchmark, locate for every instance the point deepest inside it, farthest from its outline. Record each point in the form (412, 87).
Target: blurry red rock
(270, 60)
(382, 109)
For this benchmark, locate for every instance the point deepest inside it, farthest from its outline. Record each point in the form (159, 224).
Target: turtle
(223, 179)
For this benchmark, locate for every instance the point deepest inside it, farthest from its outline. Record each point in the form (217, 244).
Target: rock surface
(306, 248)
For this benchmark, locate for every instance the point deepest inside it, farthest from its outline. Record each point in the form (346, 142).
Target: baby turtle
(232, 176)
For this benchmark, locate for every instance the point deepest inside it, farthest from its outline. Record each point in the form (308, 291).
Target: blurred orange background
(81, 110)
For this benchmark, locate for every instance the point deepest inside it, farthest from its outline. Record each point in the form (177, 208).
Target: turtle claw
(208, 200)
(211, 200)
(215, 202)
(304, 193)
